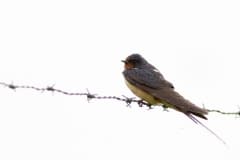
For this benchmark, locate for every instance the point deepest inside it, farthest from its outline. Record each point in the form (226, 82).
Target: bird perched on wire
(146, 82)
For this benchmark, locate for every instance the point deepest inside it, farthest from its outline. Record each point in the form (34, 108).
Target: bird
(147, 82)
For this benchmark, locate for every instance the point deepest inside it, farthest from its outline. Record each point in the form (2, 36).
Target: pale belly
(142, 94)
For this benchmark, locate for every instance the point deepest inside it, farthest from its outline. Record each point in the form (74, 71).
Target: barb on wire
(90, 96)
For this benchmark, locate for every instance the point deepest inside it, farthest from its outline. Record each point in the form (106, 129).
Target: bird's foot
(165, 108)
(142, 102)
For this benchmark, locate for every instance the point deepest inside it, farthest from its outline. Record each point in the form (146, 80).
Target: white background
(79, 44)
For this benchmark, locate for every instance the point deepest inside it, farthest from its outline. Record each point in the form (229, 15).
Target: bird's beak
(123, 61)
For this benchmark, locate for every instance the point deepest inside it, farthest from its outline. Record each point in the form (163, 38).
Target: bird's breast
(142, 94)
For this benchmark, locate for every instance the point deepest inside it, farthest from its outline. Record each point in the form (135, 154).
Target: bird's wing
(146, 77)
(162, 90)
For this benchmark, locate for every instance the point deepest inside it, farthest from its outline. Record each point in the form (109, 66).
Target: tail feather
(195, 120)
(201, 115)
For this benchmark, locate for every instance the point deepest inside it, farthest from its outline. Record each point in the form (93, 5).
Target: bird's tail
(195, 120)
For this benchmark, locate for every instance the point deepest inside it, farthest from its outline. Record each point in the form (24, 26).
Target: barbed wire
(90, 96)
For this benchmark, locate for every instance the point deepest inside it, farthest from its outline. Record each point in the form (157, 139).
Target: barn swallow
(146, 82)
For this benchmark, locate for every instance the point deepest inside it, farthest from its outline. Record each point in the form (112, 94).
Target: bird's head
(134, 61)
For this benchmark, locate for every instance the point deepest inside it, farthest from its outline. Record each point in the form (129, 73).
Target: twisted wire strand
(90, 96)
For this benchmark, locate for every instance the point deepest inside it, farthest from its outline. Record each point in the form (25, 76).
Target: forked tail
(195, 120)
